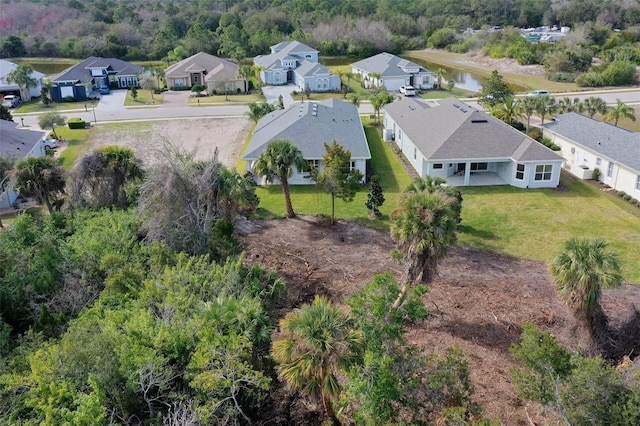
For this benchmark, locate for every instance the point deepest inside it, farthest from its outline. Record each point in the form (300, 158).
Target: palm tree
(277, 161)
(39, 177)
(378, 100)
(257, 69)
(620, 111)
(423, 227)
(593, 106)
(581, 270)
(440, 74)
(508, 111)
(354, 98)
(349, 76)
(545, 105)
(317, 340)
(527, 107)
(258, 110)
(121, 164)
(566, 104)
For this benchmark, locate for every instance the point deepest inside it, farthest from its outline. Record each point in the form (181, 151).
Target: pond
(47, 66)
(464, 79)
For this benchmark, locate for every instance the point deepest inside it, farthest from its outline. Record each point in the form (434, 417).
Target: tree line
(150, 30)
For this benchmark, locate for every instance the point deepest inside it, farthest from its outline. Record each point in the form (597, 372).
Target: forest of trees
(153, 30)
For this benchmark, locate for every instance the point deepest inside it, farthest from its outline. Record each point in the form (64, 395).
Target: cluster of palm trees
(514, 110)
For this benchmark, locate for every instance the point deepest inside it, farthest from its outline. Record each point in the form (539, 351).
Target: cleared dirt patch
(199, 135)
(478, 302)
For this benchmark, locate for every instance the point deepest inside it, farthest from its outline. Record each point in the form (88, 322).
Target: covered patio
(476, 179)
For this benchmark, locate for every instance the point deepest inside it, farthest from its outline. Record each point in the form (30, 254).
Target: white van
(408, 90)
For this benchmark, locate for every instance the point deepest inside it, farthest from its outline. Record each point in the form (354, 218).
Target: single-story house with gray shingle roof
(394, 72)
(297, 63)
(216, 74)
(17, 144)
(588, 144)
(83, 80)
(452, 140)
(309, 125)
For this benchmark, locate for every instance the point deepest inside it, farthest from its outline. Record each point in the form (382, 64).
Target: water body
(464, 79)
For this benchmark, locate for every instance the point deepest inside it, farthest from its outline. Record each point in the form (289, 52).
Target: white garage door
(66, 91)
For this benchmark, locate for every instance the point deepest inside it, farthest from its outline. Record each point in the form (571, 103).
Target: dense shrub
(619, 73)
(590, 79)
(535, 134)
(621, 194)
(547, 142)
(596, 174)
(76, 123)
(562, 77)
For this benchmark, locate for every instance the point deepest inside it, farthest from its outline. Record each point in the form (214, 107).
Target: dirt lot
(478, 302)
(201, 136)
(503, 65)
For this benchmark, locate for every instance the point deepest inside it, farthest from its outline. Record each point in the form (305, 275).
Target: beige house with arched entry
(216, 74)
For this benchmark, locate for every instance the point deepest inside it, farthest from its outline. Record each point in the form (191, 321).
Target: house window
(610, 169)
(179, 82)
(479, 166)
(638, 183)
(399, 134)
(352, 165)
(437, 166)
(415, 153)
(311, 164)
(543, 171)
(520, 171)
(598, 162)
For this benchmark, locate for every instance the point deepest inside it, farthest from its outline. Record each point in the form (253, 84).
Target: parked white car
(408, 90)
(50, 144)
(539, 93)
(11, 101)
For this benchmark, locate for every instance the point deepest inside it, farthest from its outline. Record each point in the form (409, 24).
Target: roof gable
(200, 62)
(309, 125)
(388, 65)
(16, 143)
(619, 145)
(80, 72)
(451, 129)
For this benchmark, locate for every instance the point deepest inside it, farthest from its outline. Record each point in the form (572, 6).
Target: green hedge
(76, 123)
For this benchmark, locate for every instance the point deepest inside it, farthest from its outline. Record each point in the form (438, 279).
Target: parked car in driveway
(11, 101)
(539, 93)
(408, 90)
(50, 144)
(104, 90)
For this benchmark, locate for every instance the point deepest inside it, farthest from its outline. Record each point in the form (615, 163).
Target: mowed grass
(37, 106)
(77, 146)
(221, 99)
(144, 97)
(535, 224)
(310, 200)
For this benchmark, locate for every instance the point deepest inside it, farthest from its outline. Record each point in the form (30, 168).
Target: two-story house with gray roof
(391, 72)
(297, 63)
(309, 125)
(588, 144)
(83, 80)
(467, 147)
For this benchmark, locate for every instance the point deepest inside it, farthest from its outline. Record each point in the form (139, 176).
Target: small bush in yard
(596, 174)
(76, 123)
(621, 194)
(627, 197)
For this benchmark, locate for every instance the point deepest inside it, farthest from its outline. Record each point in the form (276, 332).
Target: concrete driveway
(272, 93)
(112, 101)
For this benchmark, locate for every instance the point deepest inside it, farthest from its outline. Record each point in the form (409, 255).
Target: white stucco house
(467, 147)
(297, 63)
(309, 125)
(393, 72)
(588, 144)
(7, 88)
(17, 144)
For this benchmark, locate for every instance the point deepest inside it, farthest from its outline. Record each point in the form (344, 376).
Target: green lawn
(309, 200)
(220, 99)
(534, 224)
(76, 139)
(145, 98)
(38, 106)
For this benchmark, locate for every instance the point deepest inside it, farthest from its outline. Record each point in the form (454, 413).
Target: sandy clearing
(200, 136)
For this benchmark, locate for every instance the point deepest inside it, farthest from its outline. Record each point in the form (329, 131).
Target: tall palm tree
(354, 98)
(440, 74)
(581, 270)
(349, 76)
(378, 100)
(527, 107)
(277, 161)
(508, 111)
(594, 105)
(423, 227)
(567, 104)
(39, 177)
(545, 105)
(317, 340)
(620, 111)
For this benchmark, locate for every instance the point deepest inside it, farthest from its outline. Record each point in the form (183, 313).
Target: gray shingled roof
(619, 145)
(387, 65)
(333, 120)
(16, 143)
(452, 130)
(308, 68)
(80, 71)
(274, 60)
(292, 46)
(217, 68)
